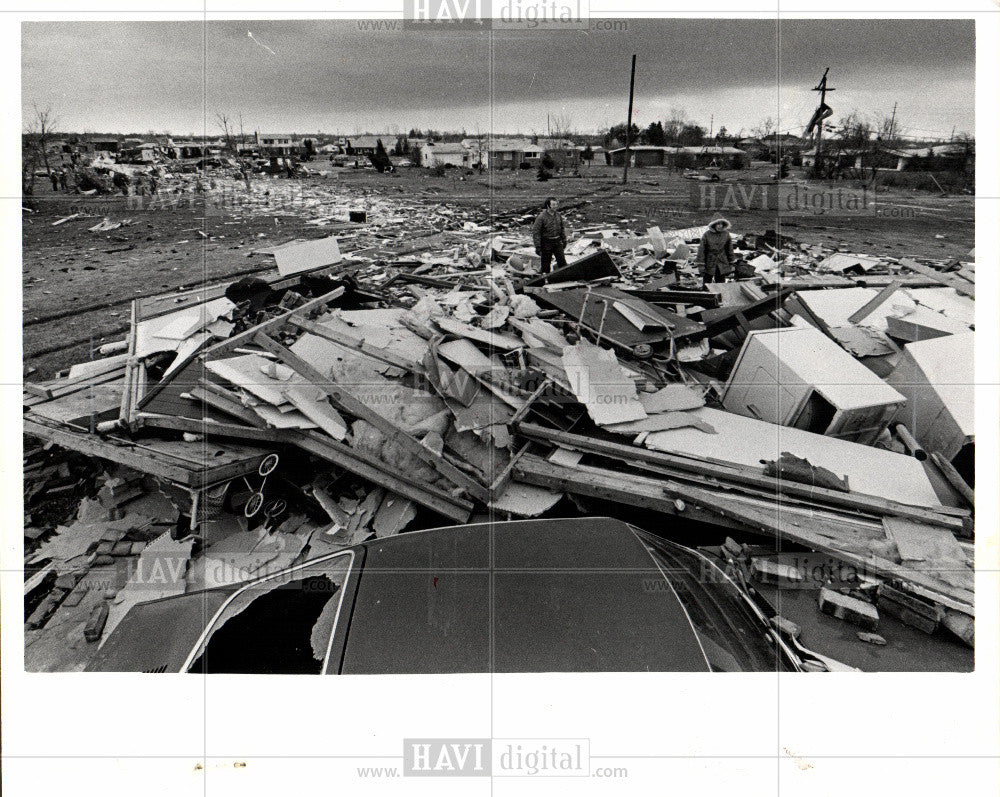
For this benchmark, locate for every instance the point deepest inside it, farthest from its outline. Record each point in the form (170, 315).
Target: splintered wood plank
(272, 324)
(964, 287)
(379, 472)
(346, 402)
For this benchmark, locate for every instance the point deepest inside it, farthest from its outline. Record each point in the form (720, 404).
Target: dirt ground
(77, 285)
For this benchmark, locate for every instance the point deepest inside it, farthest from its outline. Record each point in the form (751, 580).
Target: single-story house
(838, 157)
(444, 154)
(532, 155)
(782, 144)
(640, 155)
(506, 153)
(716, 155)
(940, 157)
(367, 145)
(563, 152)
(753, 147)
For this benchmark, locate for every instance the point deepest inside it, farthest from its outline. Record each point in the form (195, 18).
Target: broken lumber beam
(273, 324)
(430, 282)
(219, 398)
(92, 445)
(536, 394)
(357, 344)
(954, 478)
(610, 486)
(380, 473)
(636, 457)
(346, 402)
(908, 610)
(776, 522)
(209, 428)
(964, 287)
(875, 302)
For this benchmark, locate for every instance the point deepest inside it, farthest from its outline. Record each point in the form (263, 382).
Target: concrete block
(844, 607)
(767, 571)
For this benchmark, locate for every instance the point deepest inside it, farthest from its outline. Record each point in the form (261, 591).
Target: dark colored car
(571, 595)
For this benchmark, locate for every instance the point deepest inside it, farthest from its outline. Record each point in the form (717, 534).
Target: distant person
(63, 177)
(715, 253)
(549, 234)
(54, 177)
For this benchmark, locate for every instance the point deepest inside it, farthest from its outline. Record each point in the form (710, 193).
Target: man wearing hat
(715, 253)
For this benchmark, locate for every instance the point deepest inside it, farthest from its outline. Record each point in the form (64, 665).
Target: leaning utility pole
(892, 124)
(823, 89)
(628, 124)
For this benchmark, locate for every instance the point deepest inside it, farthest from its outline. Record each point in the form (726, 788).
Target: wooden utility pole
(892, 123)
(628, 124)
(823, 89)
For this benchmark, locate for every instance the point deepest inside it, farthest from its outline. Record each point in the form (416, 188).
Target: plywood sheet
(599, 383)
(747, 441)
(293, 259)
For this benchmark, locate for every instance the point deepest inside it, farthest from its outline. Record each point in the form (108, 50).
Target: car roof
(579, 594)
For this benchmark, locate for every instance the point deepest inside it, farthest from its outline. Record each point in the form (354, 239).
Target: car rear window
(280, 625)
(733, 637)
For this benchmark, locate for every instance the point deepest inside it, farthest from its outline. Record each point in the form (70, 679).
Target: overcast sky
(332, 76)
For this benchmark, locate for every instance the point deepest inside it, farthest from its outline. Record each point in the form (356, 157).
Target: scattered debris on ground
(391, 375)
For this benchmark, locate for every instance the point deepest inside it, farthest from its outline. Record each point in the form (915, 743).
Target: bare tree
(40, 129)
(222, 120)
(562, 125)
(244, 163)
(674, 124)
(888, 129)
(764, 129)
(854, 131)
(968, 143)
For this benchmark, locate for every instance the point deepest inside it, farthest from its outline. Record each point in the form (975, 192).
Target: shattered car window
(281, 625)
(734, 640)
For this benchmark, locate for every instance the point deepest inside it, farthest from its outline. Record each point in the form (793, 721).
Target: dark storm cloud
(324, 71)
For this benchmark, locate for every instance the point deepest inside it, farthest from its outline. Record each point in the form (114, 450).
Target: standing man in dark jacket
(715, 254)
(549, 233)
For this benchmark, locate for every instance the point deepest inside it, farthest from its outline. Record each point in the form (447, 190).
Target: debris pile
(385, 379)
